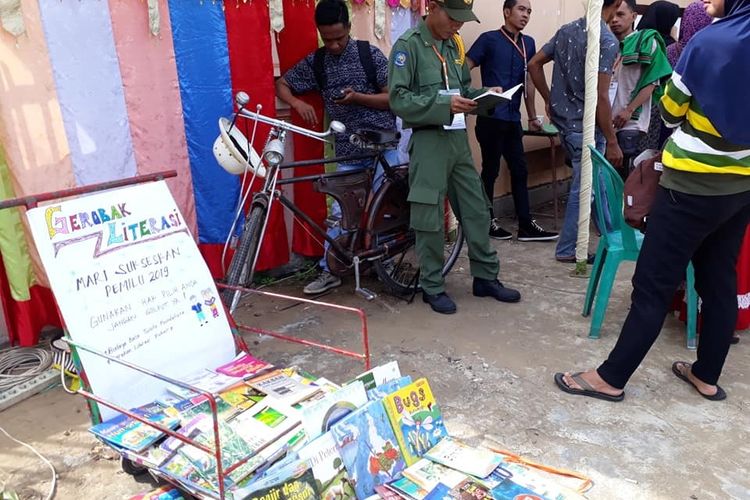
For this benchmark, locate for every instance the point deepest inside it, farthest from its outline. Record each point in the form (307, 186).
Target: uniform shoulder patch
(399, 58)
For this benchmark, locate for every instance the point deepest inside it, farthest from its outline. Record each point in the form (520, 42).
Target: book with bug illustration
(416, 419)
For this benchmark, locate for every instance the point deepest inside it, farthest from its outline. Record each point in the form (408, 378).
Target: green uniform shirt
(415, 77)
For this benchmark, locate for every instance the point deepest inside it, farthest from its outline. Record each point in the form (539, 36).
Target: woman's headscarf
(694, 19)
(661, 16)
(715, 67)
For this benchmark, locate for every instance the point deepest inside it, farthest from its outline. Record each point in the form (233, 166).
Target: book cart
(135, 463)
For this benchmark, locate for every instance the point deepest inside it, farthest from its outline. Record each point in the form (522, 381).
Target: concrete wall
(547, 16)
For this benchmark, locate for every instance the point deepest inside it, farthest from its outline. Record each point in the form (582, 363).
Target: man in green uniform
(429, 89)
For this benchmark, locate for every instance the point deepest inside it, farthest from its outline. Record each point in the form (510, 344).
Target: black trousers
(707, 230)
(498, 138)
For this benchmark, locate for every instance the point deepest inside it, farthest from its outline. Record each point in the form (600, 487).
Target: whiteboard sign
(130, 283)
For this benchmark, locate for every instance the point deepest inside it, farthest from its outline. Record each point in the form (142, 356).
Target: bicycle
(375, 229)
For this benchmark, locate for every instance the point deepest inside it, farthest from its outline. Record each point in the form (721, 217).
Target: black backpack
(365, 59)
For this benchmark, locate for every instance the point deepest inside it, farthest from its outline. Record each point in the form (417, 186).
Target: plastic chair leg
(609, 271)
(596, 274)
(691, 298)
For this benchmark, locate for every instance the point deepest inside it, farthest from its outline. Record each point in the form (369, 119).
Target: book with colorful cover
(416, 419)
(328, 468)
(407, 488)
(264, 423)
(468, 489)
(451, 452)
(160, 493)
(368, 448)
(539, 483)
(233, 450)
(244, 366)
(298, 487)
(385, 494)
(428, 474)
(242, 396)
(378, 375)
(187, 409)
(319, 417)
(181, 469)
(206, 380)
(282, 387)
(388, 388)
(125, 432)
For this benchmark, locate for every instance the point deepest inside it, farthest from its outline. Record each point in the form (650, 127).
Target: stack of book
(285, 434)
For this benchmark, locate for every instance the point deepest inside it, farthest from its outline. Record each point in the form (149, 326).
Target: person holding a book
(503, 55)
(564, 104)
(430, 90)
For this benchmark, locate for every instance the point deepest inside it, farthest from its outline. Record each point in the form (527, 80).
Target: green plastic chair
(618, 243)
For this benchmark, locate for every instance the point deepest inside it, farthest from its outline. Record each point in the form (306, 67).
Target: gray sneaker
(324, 282)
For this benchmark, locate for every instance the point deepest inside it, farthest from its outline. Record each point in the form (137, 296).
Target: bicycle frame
(271, 187)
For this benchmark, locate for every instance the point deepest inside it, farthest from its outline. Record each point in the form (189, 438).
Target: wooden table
(550, 132)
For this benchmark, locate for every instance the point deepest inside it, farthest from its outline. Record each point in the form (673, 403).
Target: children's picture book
(244, 366)
(388, 388)
(379, 375)
(283, 387)
(368, 448)
(416, 419)
(328, 468)
(428, 474)
(298, 487)
(320, 416)
(125, 432)
(478, 462)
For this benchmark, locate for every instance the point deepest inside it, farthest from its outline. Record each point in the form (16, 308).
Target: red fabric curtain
(251, 67)
(25, 319)
(298, 38)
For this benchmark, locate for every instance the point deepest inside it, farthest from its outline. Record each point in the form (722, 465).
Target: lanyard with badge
(459, 119)
(522, 52)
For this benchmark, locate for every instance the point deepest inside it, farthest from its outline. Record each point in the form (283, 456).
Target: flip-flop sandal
(587, 389)
(720, 394)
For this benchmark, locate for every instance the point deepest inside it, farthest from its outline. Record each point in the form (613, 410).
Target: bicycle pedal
(366, 294)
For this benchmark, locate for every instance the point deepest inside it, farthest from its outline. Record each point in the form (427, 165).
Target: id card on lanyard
(459, 119)
(522, 52)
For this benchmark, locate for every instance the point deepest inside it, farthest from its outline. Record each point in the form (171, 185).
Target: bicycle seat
(372, 137)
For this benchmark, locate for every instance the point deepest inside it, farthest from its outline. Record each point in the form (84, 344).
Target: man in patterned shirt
(352, 77)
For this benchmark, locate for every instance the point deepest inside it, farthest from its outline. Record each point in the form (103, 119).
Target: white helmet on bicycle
(231, 151)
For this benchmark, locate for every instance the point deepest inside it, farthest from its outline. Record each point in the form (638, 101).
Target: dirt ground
(490, 367)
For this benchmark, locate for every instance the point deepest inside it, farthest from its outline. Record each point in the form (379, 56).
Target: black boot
(440, 302)
(493, 288)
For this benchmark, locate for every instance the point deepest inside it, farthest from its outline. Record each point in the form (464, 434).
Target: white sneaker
(324, 282)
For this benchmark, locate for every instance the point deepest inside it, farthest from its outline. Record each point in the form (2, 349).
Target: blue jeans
(392, 157)
(573, 144)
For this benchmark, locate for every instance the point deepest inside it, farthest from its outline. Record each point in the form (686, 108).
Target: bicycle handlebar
(334, 128)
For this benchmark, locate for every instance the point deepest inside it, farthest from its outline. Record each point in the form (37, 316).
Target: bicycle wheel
(240, 270)
(388, 226)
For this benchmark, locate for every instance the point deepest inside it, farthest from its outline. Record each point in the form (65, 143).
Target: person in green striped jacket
(700, 212)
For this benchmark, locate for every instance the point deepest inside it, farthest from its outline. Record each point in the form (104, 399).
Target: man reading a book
(429, 88)
(503, 56)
